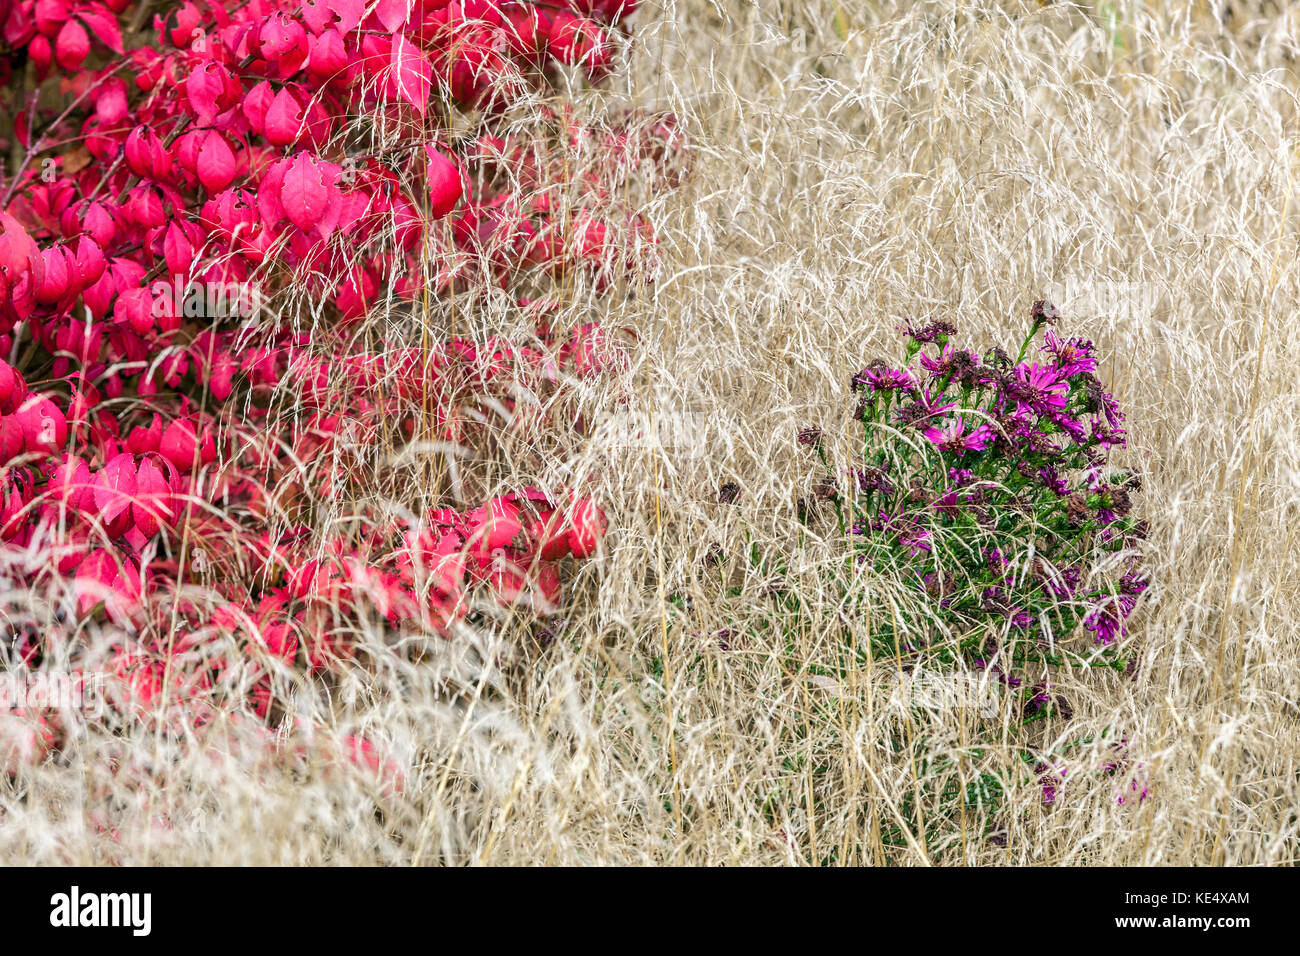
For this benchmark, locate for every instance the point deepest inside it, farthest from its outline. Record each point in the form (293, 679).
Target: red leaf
(72, 46)
(393, 13)
(178, 251)
(412, 74)
(115, 486)
(152, 506)
(283, 119)
(257, 102)
(349, 12)
(48, 14)
(220, 379)
(445, 185)
(103, 24)
(309, 195)
(89, 262)
(317, 15)
(100, 578)
(94, 580)
(70, 483)
(327, 58)
(183, 448)
(281, 39)
(202, 88)
(216, 163)
(587, 527)
(22, 267)
(111, 104)
(58, 275)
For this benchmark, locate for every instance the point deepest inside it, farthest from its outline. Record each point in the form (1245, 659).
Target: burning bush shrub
(197, 218)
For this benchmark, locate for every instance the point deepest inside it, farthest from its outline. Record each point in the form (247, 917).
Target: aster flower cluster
(985, 481)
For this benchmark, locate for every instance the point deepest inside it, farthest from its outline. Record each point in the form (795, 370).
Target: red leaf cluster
(168, 187)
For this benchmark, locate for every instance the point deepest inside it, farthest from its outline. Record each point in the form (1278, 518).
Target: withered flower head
(826, 488)
(938, 586)
(994, 600)
(1044, 312)
(931, 332)
(913, 412)
(874, 478)
(1120, 502)
(997, 358)
(728, 493)
(810, 435)
(1094, 395)
(775, 589)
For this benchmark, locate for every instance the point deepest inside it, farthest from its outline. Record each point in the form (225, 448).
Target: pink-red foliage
(230, 150)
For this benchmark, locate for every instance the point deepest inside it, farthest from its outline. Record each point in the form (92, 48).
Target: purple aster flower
(994, 600)
(1106, 620)
(1107, 436)
(1060, 583)
(1040, 698)
(951, 361)
(948, 504)
(1111, 409)
(1013, 423)
(1133, 583)
(1094, 475)
(1072, 427)
(1097, 399)
(881, 378)
(1041, 387)
(1052, 780)
(1105, 624)
(1073, 356)
(925, 407)
(913, 537)
(952, 436)
(1052, 480)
